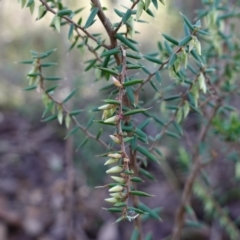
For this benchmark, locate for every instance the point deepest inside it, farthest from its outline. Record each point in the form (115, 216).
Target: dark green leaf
(52, 78)
(76, 112)
(107, 70)
(126, 41)
(136, 179)
(135, 111)
(185, 40)
(64, 12)
(140, 193)
(132, 82)
(126, 16)
(91, 17)
(146, 173)
(51, 118)
(170, 39)
(74, 130)
(188, 23)
(152, 59)
(29, 88)
(70, 95)
(145, 208)
(110, 52)
(146, 153)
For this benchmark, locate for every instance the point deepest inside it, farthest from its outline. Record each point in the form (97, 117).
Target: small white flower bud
(114, 155)
(116, 188)
(111, 160)
(115, 169)
(118, 179)
(111, 200)
(113, 119)
(115, 139)
(116, 82)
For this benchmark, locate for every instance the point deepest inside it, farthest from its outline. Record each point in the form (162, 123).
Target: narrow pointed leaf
(126, 42)
(140, 193)
(74, 130)
(91, 17)
(170, 39)
(146, 153)
(70, 95)
(135, 111)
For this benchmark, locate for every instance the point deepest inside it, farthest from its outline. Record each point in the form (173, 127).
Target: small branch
(89, 47)
(48, 8)
(146, 80)
(66, 111)
(120, 24)
(108, 27)
(180, 214)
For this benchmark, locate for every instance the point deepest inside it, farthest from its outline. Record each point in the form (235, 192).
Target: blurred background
(36, 163)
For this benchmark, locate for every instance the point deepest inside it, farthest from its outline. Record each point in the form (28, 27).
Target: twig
(120, 24)
(48, 8)
(197, 166)
(108, 27)
(66, 111)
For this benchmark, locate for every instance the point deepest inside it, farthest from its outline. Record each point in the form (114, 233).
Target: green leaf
(145, 208)
(107, 70)
(119, 219)
(130, 94)
(140, 193)
(76, 112)
(74, 130)
(64, 12)
(26, 62)
(185, 40)
(99, 133)
(126, 16)
(111, 101)
(136, 179)
(41, 11)
(113, 209)
(152, 59)
(172, 59)
(48, 64)
(146, 173)
(146, 153)
(144, 124)
(172, 134)
(51, 89)
(110, 52)
(135, 111)
(170, 39)
(140, 133)
(51, 118)
(50, 78)
(126, 41)
(70, 95)
(188, 23)
(83, 143)
(173, 97)
(29, 88)
(91, 17)
(140, 7)
(149, 12)
(57, 23)
(132, 82)
(134, 56)
(155, 3)
(70, 32)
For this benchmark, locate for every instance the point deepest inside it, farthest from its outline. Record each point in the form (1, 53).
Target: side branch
(69, 20)
(187, 192)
